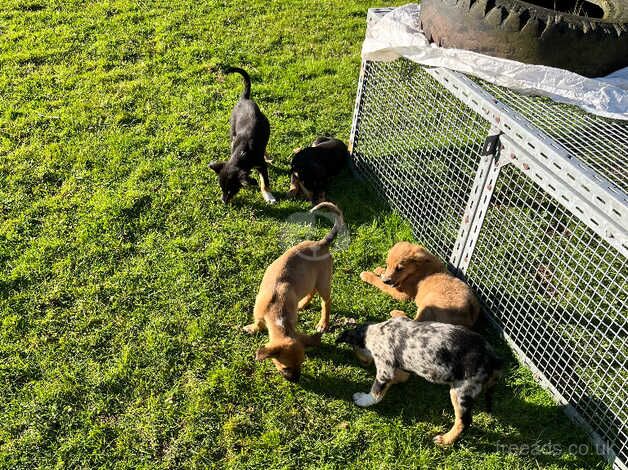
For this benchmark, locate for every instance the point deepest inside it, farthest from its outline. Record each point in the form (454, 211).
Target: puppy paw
(397, 313)
(269, 198)
(379, 270)
(363, 399)
(250, 329)
(367, 276)
(322, 326)
(443, 440)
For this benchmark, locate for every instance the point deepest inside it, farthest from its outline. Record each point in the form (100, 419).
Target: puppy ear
(425, 262)
(425, 255)
(421, 254)
(217, 166)
(347, 336)
(354, 336)
(266, 352)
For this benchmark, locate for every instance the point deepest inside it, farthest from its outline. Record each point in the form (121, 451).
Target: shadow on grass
(358, 202)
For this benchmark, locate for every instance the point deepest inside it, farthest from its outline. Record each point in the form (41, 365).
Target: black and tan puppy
(250, 131)
(413, 273)
(438, 352)
(288, 285)
(312, 167)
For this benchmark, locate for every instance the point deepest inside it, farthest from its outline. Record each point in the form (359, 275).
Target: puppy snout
(292, 377)
(387, 280)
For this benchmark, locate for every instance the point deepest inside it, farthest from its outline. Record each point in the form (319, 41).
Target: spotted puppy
(438, 352)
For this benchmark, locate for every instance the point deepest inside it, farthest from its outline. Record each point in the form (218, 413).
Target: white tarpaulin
(397, 34)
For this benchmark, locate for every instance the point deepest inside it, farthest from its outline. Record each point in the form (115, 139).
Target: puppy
(288, 285)
(250, 131)
(438, 352)
(412, 272)
(312, 167)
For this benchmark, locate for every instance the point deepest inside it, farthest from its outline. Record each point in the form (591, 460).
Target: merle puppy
(438, 352)
(312, 167)
(250, 131)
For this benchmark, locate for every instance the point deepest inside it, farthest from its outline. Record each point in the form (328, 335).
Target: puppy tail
(338, 223)
(246, 91)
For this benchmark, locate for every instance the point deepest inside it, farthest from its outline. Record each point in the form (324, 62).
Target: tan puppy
(412, 272)
(288, 285)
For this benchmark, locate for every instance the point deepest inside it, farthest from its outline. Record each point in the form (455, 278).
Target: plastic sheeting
(397, 34)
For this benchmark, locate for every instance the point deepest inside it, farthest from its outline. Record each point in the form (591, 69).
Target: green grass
(124, 283)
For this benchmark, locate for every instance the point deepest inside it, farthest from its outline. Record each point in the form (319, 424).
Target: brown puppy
(412, 272)
(288, 285)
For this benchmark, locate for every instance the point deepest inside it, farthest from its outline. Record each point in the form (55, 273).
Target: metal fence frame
(587, 195)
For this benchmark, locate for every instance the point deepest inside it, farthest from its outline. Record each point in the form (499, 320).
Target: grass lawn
(124, 282)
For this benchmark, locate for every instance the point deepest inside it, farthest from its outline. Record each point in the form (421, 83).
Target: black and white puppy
(312, 167)
(438, 352)
(250, 131)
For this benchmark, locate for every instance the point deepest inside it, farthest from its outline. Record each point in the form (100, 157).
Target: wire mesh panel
(601, 143)
(559, 292)
(419, 146)
(538, 229)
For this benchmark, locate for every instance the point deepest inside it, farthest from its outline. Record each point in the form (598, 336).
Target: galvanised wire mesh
(555, 287)
(426, 176)
(559, 292)
(600, 143)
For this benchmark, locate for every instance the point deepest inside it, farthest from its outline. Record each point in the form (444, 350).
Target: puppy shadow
(414, 398)
(278, 211)
(359, 203)
(339, 356)
(354, 197)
